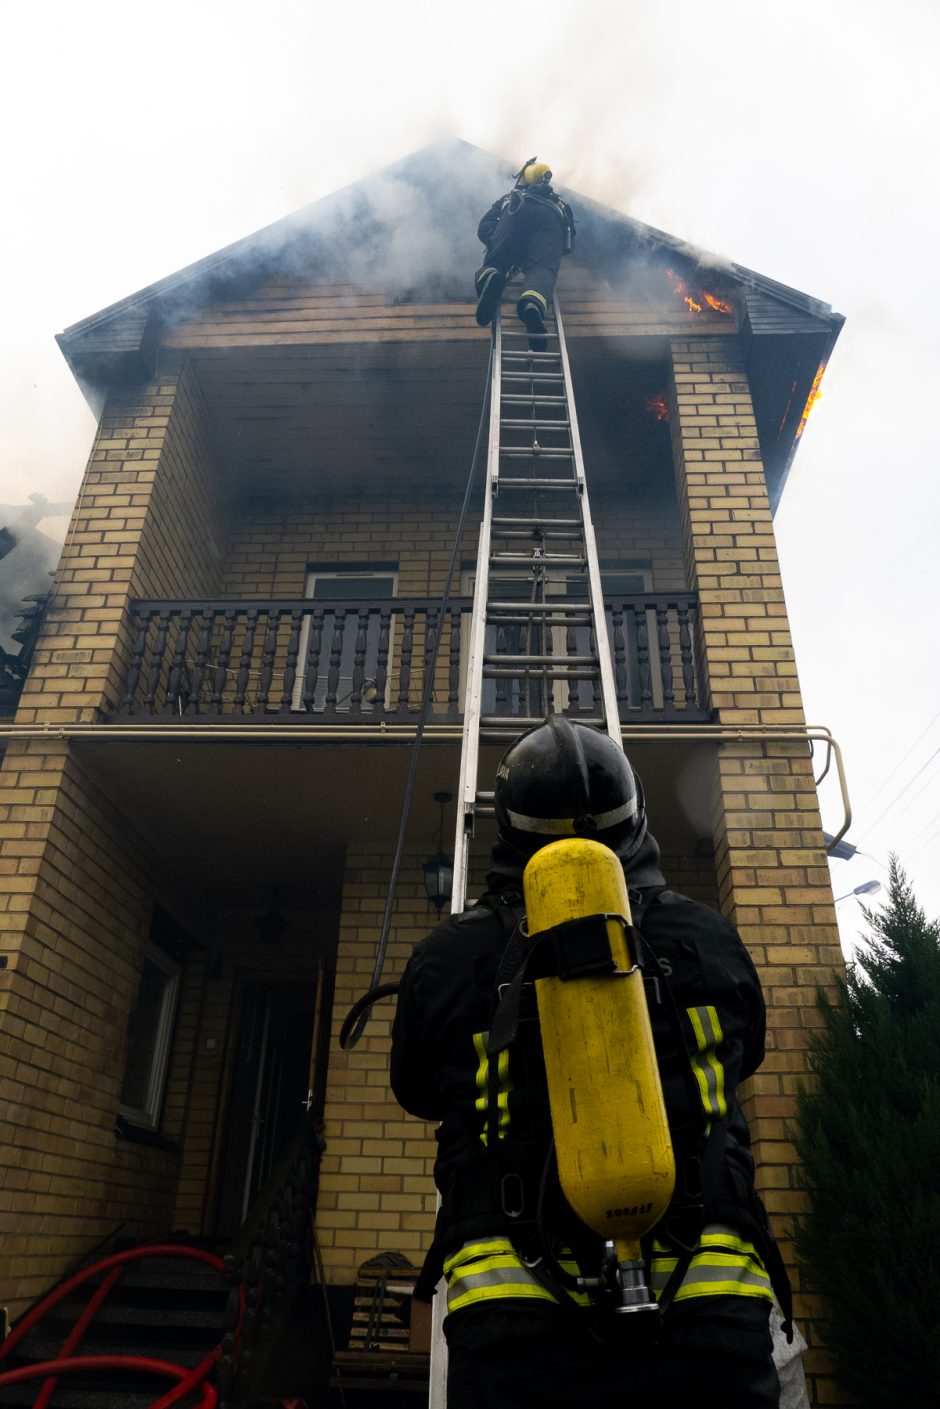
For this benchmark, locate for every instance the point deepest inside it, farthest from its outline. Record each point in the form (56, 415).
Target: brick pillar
(77, 883)
(75, 902)
(773, 877)
(81, 652)
(149, 521)
(376, 1186)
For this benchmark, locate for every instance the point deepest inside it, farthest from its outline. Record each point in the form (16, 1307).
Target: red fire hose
(187, 1381)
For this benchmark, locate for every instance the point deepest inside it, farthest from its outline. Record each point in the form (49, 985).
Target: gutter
(441, 733)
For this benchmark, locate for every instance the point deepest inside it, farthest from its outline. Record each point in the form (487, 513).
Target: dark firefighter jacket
(439, 1072)
(514, 202)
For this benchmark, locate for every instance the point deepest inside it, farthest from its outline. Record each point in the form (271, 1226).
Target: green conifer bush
(869, 1138)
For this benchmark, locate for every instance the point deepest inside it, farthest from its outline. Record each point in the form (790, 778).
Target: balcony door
(348, 585)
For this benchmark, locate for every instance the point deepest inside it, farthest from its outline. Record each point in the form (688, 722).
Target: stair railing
(272, 1255)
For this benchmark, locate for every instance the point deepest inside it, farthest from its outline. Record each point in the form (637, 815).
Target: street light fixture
(866, 888)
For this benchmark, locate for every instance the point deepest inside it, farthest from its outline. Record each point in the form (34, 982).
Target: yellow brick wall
(376, 1190)
(272, 544)
(771, 864)
(150, 520)
(77, 884)
(76, 894)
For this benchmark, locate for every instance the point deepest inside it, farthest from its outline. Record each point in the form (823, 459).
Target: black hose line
(353, 1036)
(360, 1007)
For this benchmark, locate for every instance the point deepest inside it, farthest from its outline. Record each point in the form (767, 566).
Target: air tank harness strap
(572, 950)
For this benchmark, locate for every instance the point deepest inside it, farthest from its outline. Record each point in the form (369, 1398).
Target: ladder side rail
(595, 590)
(473, 702)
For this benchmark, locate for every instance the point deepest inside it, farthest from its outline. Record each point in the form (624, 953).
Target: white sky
(798, 139)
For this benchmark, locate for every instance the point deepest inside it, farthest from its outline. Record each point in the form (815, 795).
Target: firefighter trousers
(716, 1360)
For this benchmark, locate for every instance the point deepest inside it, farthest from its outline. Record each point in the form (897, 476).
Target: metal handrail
(303, 1136)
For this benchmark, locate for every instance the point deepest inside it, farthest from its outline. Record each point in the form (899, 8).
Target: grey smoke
(29, 559)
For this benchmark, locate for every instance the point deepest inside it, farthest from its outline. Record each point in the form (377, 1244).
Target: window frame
(341, 572)
(147, 1117)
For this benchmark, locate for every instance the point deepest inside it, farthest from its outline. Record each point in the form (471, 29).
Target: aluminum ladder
(542, 649)
(538, 633)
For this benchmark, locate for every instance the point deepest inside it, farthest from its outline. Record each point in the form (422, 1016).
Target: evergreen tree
(869, 1138)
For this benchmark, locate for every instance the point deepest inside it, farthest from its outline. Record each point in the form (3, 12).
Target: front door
(278, 1075)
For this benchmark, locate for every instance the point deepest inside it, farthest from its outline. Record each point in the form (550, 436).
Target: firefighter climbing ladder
(538, 635)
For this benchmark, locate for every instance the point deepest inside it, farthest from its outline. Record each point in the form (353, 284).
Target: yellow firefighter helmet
(537, 173)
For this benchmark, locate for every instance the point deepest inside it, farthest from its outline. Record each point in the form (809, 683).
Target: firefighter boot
(490, 283)
(531, 310)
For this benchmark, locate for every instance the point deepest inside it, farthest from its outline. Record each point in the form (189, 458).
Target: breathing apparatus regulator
(534, 173)
(611, 1135)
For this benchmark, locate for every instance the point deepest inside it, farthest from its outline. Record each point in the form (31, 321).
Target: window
(347, 583)
(149, 1037)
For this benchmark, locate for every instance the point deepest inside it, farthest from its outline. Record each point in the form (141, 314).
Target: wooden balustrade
(367, 661)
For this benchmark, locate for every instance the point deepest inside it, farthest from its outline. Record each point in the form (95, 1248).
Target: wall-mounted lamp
(271, 925)
(439, 868)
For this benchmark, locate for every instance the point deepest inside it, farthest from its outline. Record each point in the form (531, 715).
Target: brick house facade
(296, 417)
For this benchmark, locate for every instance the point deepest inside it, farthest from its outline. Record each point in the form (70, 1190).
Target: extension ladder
(538, 634)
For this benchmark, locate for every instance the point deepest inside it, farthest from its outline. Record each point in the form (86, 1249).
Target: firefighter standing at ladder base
(529, 229)
(519, 1327)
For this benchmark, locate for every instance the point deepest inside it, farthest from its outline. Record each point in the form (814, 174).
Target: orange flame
(718, 304)
(815, 393)
(695, 303)
(656, 406)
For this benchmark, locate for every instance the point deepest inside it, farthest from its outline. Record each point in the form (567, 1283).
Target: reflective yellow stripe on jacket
(709, 1073)
(492, 1270)
(503, 1084)
(724, 1265)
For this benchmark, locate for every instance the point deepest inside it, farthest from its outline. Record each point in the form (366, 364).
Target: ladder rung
(532, 399)
(559, 623)
(541, 535)
(534, 483)
(552, 452)
(553, 606)
(570, 661)
(540, 672)
(503, 522)
(568, 560)
(518, 723)
(534, 357)
(512, 333)
(514, 424)
(558, 376)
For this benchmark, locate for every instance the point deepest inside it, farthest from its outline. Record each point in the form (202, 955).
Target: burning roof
(410, 229)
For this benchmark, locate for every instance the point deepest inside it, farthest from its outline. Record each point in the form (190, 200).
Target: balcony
(366, 662)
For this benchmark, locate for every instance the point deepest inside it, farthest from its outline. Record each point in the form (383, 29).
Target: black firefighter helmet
(563, 779)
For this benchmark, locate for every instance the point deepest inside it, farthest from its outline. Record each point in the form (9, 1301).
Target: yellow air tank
(615, 1160)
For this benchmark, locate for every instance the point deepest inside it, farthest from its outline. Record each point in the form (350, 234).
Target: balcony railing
(367, 661)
